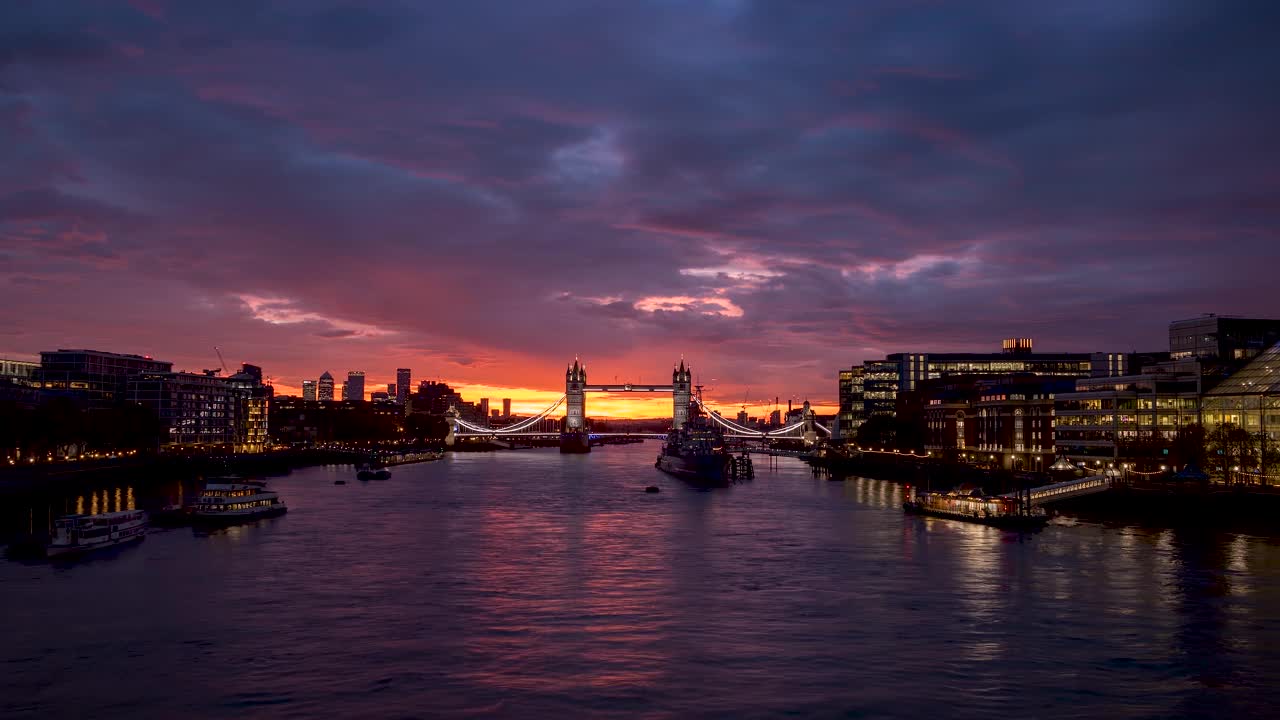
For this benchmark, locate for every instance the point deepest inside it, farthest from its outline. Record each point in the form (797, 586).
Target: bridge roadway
(630, 387)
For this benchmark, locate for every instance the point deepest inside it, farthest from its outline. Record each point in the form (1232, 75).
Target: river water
(530, 584)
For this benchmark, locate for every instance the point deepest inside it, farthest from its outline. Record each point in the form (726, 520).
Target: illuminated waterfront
(532, 583)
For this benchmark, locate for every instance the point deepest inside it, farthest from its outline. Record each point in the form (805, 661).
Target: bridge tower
(681, 394)
(573, 434)
(451, 420)
(810, 430)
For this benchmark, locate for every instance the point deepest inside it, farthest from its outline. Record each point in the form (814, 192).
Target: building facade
(18, 370)
(196, 411)
(94, 378)
(1005, 422)
(404, 378)
(883, 380)
(1222, 337)
(1250, 400)
(324, 388)
(309, 390)
(1014, 420)
(880, 380)
(253, 400)
(203, 411)
(355, 385)
(850, 415)
(1132, 416)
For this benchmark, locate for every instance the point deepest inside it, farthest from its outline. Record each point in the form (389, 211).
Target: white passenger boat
(81, 533)
(231, 500)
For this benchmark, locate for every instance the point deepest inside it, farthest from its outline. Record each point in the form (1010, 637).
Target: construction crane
(222, 364)
(745, 398)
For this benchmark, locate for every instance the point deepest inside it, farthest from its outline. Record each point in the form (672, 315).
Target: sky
(482, 191)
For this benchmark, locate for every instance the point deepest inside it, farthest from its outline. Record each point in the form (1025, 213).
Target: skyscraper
(391, 390)
(403, 381)
(484, 407)
(355, 385)
(346, 392)
(325, 387)
(506, 407)
(308, 389)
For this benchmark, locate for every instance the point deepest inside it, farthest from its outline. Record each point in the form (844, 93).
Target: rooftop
(1261, 376)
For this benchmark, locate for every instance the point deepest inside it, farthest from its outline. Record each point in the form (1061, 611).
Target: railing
(1070, 488)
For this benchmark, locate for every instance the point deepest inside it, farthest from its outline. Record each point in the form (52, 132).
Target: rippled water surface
(531, 584)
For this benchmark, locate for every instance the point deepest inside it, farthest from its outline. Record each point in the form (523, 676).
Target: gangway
(1067, 489)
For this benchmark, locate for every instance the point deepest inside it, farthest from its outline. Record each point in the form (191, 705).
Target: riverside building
(94, 378)
(883, 380)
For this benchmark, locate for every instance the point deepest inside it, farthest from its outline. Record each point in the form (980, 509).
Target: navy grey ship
(695, 451)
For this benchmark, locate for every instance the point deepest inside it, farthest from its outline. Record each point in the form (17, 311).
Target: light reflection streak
(575, 595)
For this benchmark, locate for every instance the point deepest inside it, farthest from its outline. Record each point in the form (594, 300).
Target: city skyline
(774, 195)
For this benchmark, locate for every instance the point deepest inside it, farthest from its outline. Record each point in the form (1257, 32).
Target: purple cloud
(483, 194)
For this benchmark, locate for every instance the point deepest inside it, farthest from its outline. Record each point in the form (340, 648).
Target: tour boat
(231, 500)
(81, 533)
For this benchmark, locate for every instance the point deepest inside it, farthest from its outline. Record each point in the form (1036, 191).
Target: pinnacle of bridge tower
(576, 372)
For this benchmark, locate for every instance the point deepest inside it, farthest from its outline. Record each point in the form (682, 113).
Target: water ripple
(531, 584)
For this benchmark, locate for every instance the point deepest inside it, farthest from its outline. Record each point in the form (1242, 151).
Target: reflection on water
(26, 518)
(531, 584)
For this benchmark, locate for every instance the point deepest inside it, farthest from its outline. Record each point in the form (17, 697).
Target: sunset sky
(773, 190)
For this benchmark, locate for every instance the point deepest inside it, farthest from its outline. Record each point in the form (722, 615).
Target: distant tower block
(681, 394)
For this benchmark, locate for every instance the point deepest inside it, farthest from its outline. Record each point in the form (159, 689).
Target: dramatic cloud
(483, 190)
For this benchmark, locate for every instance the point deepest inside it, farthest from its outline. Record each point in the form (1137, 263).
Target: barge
(998, 510)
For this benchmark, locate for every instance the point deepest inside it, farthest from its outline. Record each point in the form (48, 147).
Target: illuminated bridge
(573, 425)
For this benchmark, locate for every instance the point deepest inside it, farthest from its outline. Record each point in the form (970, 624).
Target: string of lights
(899, 453)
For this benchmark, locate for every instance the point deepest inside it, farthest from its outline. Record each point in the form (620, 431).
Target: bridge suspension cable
(739, 429)
(517, 427)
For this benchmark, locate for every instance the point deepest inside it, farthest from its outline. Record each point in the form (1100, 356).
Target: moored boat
(74, 534)
(171, 515)
(998, 510)
(232, 500)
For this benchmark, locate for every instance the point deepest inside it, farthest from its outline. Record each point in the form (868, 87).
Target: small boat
(998, 510)
(370, 472)
(231, 500)
(171, 515)
(74, 534)
(339, 482)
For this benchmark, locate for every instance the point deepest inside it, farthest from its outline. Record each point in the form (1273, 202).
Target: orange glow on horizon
(530, 401)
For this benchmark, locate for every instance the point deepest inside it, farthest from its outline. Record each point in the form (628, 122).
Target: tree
(421, 427)
(1232, 446)
(1188, 446)
(877, 432)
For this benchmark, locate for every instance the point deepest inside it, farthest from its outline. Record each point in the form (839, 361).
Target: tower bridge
(576, 437)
